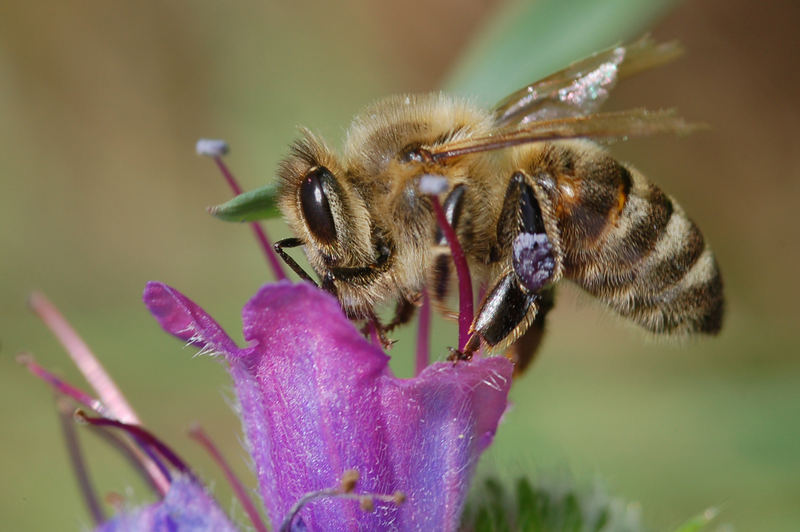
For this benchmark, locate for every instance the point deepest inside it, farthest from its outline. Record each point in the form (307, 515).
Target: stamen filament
(136, 453)
(344, 491)
(258, 230)
(465, 303)
(199, 435)
(78, 463)
(286, 526)
(141, 434)
(95, 374)
(423, 358)
(138, 456)
(84, 359)
(60, 386)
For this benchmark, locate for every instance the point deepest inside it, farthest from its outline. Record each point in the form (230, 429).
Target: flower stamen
(64, 407)
(88, 364)
(198, 434)
(138, 456)
(465, 302)
(423, 358)
(95, 374)
(142, 435)
(216, 149)
(60, 386)
(135, 452)
(349, 481)
(366, 501)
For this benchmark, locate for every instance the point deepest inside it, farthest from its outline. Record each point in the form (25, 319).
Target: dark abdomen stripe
(694, 304)
(652, 266)
(630, 237)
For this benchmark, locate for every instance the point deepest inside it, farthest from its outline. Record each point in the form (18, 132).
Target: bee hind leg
(514, 310)
(523, 351)
(513, 316)
(508, 308)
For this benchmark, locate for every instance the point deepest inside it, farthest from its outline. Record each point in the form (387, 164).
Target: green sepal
(258, 204)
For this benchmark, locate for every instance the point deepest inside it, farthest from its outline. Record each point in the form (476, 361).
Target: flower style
(316, 400)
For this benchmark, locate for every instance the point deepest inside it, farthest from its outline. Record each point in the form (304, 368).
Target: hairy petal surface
(317, 399)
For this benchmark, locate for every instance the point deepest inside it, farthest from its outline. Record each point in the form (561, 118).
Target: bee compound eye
(315, 205)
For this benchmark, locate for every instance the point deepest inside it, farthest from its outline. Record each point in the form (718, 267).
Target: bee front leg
(296, 268)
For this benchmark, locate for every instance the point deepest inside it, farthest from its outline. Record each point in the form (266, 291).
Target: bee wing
(599, 126)
(582, 87)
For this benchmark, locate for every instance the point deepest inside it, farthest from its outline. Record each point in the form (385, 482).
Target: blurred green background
(100, 106)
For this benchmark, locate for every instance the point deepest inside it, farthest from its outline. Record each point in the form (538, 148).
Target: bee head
(321, 207)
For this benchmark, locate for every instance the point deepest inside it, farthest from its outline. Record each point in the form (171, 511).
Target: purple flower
(316, 400)
(186, 506)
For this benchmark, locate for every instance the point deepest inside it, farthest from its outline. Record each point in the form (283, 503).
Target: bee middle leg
(403, 313)
(373, 325)
(514, 309)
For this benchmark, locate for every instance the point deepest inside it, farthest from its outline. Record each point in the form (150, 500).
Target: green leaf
(557, 505)
(496, 503)
(526, 505)
(547, 506)
(573, 520)
(258, 204)
(530, 39)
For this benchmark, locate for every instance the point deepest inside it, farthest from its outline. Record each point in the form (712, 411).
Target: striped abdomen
(631, 245)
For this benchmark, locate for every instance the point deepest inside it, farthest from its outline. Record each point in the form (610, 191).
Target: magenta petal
(182, 317)
(317, 399)
(185, 507)
(448, 415)
(310, 399)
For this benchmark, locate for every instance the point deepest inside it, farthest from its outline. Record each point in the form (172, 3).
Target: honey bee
(531, 195)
